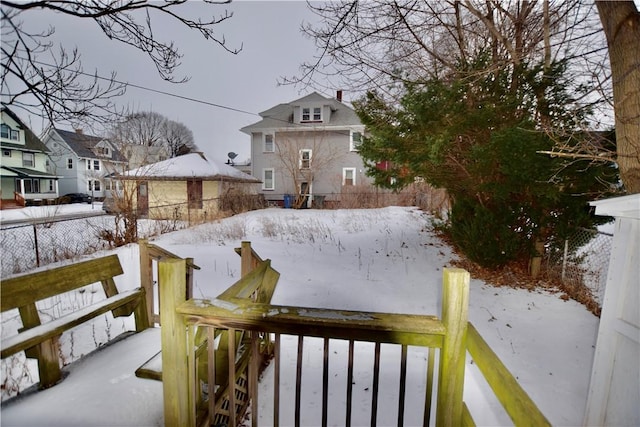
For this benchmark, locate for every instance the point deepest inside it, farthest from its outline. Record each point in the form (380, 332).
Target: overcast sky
(272, 47)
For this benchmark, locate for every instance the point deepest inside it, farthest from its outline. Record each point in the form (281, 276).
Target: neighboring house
(83, 162)
(307, 148)
(183, 187)
(24, 164)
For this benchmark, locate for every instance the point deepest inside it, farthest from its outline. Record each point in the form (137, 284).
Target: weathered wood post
(146, 277)
(455, 306)
(175, 371)
(246, 264)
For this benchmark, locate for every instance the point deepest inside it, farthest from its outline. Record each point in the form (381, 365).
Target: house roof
(25, 173)
(32, 142)
(281, 115)
(83, 144)
(189, 166)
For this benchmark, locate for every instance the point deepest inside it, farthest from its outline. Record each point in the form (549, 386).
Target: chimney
(79, 131)
(339, 95)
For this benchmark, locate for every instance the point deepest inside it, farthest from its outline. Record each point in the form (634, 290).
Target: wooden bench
(39, 340)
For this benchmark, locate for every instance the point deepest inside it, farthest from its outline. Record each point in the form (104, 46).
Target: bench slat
(41, 333)
(22, 290)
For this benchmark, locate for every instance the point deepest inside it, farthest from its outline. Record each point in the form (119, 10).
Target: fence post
(175, 371)
(246, 258)
(455, 305)
(35, 240)
(146, 277)
(564, 258)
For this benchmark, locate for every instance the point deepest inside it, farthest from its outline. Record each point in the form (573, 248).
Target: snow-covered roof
(193, 165)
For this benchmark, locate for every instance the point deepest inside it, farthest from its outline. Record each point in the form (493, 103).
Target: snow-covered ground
(382, 260)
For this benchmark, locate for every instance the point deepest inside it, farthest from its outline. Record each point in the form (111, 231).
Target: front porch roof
(9, 171)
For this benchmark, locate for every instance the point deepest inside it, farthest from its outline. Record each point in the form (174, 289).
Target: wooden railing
(19, 198)
(150, 254)
(245, 308)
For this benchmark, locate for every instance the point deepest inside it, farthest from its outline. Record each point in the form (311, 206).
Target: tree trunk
(621, 24)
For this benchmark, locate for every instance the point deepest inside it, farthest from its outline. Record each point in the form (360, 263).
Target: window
(194, 194)
(4, 131)
(355, 141)
(311, 114)
(69, 163)
(88, 164)
(305, 159)
(96, 185)
(349, 176)
(52, 186)
(268, 179)
(28, 160)
(104, 151)
(96, 165)
(6, 153)
(268, 143)
(15, 135)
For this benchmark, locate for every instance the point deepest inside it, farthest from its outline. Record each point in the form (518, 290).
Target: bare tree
(178, 138)
(304, 156)
(52, 83)
(151, 130)
(621, 23)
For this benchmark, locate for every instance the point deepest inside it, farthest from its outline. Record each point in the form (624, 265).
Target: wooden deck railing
(245, 308)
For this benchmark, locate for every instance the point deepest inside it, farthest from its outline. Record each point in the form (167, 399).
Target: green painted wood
(39, 334)
(455, 306)
(467, 419)
(149, 368)
(364, 326)
(268, 285)
(46, 352)
(248, 284)
(22, 290)
(522, 410)
(175, 372)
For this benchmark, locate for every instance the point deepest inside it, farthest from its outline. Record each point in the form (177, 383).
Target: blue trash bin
(287, 201)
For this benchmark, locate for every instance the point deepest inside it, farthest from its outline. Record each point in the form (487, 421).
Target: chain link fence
(27, 246)
(582, 262)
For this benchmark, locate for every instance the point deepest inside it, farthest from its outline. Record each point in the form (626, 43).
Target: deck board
(99, 389)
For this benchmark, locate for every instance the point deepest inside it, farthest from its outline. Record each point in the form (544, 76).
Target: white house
(83, 162)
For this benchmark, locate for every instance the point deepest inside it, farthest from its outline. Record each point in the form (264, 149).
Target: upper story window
(6, 153)
(311, 114)
(28, 160)
(69, 163)
(96, 165)
(104, 151)
(268, 143)
(8, 133)
(305, 159)
(355, 140)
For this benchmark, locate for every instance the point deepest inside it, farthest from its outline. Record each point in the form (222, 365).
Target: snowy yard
(384, 260)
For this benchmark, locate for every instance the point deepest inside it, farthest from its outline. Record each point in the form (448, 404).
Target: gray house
(307, 150)
(83, 162)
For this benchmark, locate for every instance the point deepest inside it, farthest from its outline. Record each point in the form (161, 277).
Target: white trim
(264, 142)
(352, 145)
(344, 175)
(301, 160)
(264, 179)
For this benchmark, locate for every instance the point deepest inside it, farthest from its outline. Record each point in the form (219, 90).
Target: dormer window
(311, 114)
(104, 151)
(8, 133)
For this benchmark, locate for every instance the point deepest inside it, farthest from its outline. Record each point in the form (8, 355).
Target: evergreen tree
(478, 135)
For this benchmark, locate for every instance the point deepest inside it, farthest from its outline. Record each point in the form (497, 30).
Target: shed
(614, 390)
(185, 187)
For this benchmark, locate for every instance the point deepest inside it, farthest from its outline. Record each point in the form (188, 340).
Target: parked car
(74, 198)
